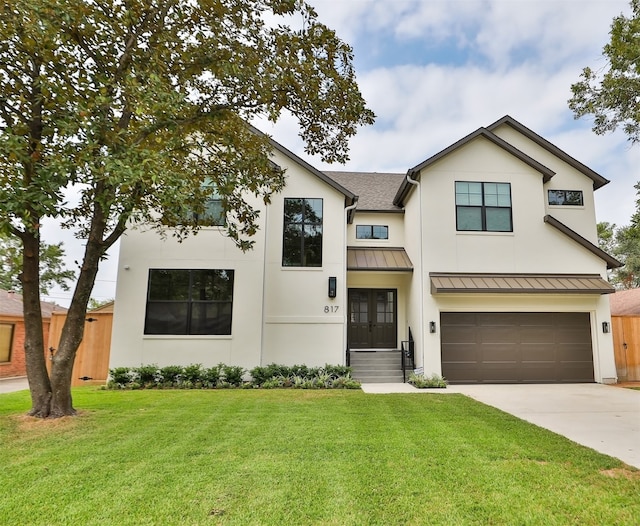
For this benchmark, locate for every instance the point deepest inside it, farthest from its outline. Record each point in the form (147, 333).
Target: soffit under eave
(559, 225)
(598, 180)
(414, 173)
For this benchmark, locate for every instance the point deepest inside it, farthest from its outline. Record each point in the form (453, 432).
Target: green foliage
(610, 94)
(52, 270)
(228, 376)
(624, 244)
(232, 374)
(422, 382)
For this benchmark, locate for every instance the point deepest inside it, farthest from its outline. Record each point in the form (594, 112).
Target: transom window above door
(483, 207)
(372, 232)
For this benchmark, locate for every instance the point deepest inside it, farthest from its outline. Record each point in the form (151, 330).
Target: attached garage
(516, 347)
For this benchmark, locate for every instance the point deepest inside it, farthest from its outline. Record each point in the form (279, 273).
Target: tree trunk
(37, 375)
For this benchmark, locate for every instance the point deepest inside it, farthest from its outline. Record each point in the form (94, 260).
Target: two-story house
(482, 261)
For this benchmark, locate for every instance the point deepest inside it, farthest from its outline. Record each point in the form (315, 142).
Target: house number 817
(331, 308)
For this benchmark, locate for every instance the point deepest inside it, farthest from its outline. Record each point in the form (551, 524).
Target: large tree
(53, 271)
(611, 94)
(120, 111)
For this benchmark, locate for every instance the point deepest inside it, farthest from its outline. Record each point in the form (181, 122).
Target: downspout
(264, 284)
(345, 299)
(421, 282)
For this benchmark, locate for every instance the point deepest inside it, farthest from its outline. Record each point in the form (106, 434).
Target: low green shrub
(422, 382)
(223, 376)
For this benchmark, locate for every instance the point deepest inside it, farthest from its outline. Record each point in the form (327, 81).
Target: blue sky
(435, 70)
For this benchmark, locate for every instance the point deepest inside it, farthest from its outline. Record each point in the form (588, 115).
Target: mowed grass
(298, 457)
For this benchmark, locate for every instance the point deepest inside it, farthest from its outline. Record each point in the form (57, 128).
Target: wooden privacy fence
(92, 358)
(626, 345)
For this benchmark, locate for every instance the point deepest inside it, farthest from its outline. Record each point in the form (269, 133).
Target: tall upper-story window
(302, 238)
(372, 232)
(566, 197)
(483, 207)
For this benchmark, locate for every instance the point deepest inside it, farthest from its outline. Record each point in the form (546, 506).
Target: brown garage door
(516, 347)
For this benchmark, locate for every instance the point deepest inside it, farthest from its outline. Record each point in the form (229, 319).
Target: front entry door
(372, 319)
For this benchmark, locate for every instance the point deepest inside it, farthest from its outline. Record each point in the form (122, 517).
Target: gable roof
(11, 305)
(625, 303)
(374, 189)
(413, 173)
(611, 261)
(598, 180)
(298, 160)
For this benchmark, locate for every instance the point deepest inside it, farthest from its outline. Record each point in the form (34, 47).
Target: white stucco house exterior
(480, 262)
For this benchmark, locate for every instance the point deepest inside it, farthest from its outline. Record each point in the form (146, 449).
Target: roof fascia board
(298, 160)
(414, 172)
(598, 180)
(610, 260)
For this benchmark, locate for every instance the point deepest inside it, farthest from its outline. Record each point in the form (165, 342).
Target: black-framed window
(372, 232)
(213, 213)
(566, 197)
(483, 207)
(302, 234)
(6, 341)
(184, 301)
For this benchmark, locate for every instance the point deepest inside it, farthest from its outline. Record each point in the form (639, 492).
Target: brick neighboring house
(12, 332)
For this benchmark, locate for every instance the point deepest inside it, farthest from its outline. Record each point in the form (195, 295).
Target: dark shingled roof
(375, 190)
(11, 305)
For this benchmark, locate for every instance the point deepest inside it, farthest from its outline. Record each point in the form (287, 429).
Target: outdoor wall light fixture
(432, 327)
(605, 327)
(333, 287)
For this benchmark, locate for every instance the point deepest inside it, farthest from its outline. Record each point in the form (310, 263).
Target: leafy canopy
(612, 94)
(52, 266)
(112, 110)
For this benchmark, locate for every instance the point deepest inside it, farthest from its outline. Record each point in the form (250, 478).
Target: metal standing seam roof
(442, 283)
(378, 259)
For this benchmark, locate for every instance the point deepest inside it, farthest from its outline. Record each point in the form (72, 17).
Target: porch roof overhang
(378, 259)
(451, 283)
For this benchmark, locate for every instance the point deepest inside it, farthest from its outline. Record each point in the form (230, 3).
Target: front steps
(376, 367)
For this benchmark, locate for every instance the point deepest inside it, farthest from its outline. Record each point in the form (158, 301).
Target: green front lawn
(298, 457)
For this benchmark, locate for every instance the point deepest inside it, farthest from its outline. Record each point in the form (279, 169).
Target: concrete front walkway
(602, 417)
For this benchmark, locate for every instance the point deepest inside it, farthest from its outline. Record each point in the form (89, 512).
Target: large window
(189, 301)
(566, 197)
(6, 341)
(483, 207)
(302, 238)
(372, 232)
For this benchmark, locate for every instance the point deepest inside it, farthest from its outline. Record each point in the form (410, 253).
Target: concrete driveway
(603, 417)
(9, 385)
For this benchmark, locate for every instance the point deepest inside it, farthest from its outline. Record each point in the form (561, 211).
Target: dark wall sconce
(605, 327)
(432, 327)
(333, 287)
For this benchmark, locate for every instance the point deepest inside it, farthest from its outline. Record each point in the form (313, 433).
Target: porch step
(376, 366)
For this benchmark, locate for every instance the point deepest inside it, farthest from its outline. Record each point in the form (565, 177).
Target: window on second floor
(565, 197)
(372, 232)
(213, 213)
(302, 235)
(483, 207)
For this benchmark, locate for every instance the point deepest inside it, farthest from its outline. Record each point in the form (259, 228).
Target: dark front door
(372, 319)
